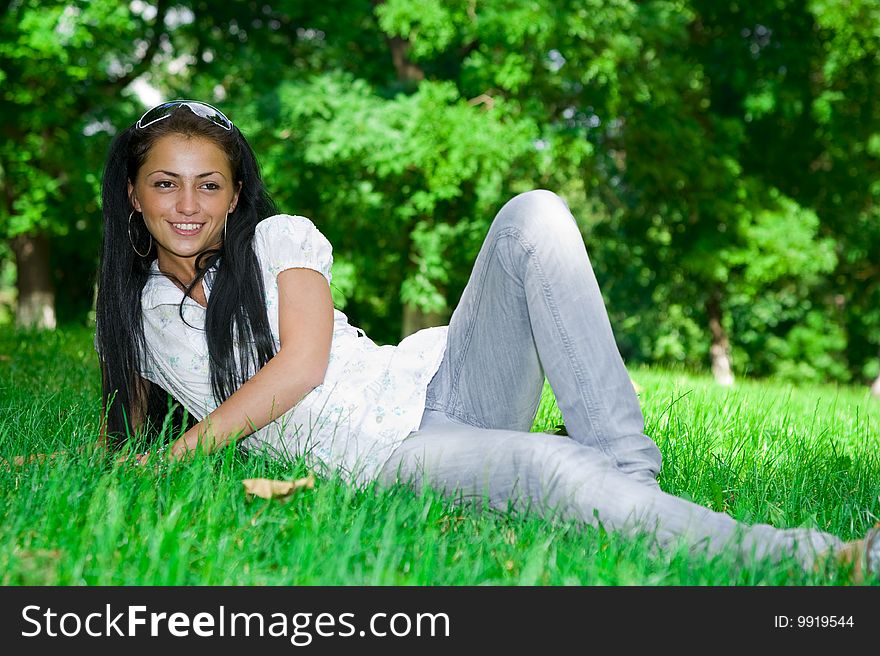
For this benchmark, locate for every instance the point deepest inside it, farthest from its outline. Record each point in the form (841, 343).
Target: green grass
(764, 452)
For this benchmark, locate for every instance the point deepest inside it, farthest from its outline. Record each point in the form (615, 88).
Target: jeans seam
(589, 404)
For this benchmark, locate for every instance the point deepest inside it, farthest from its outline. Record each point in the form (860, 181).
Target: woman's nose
(187, 201)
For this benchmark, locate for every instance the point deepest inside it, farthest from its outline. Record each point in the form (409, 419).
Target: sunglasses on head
(201, 109)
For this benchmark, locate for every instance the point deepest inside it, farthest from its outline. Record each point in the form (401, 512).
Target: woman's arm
(305, 323)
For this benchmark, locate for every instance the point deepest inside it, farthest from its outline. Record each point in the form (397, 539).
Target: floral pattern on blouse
(372, 396)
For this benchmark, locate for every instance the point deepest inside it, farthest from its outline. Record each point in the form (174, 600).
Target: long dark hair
(236, 313)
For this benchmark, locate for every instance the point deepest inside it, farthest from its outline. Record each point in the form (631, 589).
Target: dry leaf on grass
(269, 489)
(37, 555)
(35, 567)
(32, 559)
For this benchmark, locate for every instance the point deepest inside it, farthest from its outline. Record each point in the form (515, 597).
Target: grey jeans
(531, 308)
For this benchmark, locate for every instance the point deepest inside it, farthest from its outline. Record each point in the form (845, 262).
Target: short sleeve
(284, 242)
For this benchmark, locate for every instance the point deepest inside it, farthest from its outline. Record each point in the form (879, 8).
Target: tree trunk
(875, 388)
(722, 367)
(406, 70)
(36, 295)
(409, 73)
(415, 319)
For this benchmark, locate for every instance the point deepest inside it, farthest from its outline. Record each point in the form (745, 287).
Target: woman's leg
(532, 305)
(553, 474)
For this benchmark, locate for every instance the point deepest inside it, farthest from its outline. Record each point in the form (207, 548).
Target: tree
(801, 79)
(403, 173)
(721, 158)
(62, 66)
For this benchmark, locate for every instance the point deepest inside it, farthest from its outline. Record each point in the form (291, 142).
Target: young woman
(207, 294)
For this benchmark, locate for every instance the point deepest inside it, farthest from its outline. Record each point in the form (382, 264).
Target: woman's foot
(863, 556)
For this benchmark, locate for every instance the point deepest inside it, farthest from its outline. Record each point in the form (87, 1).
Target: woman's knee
(537, 213)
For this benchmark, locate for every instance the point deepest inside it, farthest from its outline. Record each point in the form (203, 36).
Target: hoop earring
(134, 248)
(225, 223)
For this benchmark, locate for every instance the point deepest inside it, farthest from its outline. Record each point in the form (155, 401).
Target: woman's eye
(211, 186)
(163, 184)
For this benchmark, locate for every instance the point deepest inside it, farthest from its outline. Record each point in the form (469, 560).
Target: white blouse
(372, 396)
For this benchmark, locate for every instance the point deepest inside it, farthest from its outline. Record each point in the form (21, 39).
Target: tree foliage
(721, 157)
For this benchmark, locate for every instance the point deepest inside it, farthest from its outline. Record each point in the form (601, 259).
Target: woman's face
(184, 190)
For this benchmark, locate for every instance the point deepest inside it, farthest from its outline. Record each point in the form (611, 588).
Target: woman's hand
(182, 447)
(155, 459)
(198, 439)
(133, 459)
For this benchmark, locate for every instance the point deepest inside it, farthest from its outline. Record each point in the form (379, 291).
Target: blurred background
(721, 157)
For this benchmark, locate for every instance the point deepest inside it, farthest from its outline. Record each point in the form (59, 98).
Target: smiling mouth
(187, 228)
